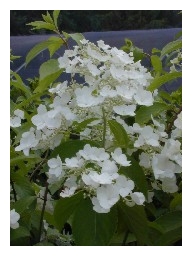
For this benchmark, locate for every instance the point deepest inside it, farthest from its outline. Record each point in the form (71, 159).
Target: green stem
(104, 126)
(14, 192)
(43, 211)
(125, 238)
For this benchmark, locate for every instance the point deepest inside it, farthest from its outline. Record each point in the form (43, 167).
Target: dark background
(86, 21)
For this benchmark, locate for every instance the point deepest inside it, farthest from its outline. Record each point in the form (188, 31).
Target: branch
(170, 125)
(43, 210)
(14, 191)
(37, 168)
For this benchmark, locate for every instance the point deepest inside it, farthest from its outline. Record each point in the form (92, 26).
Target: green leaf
(20, 232)
(18, 84)
(155, 50)
(22, 158)
(55, 17)
(65, 207)
(69, 148)
(169, 238)
(165, 95)
(158, 81)
(137, 53)
(44, 243)
(47, 68)
(170, 47)
(49, 72)
(176, 203)
(56, 186)
(81, 126)
(25, 202)
(156, 63)
(170, 221)
(55, 44)
(41, 25)
(143, 115)
(136, 173)
(135, 220)
(22, 185)
(47, 18)
(91, 228)
(77, 37)
(119, 133)
(36, 50)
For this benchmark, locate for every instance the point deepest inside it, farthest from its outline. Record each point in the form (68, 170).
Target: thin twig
(14, 191)
(170, 125)
(41, 163)
(43, 211)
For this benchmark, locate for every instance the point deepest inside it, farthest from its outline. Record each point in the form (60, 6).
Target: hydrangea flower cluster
(96, 171)
(112, 87)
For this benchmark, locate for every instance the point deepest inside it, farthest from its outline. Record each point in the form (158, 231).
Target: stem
(14, 191)
(170, 125)
(42, 212)
(37, 168)
(104, 126)
(125, 238)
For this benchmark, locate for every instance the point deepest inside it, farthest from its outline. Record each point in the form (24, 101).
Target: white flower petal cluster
(14, 217)
(15, 120)
(113, 84)
(96, 172)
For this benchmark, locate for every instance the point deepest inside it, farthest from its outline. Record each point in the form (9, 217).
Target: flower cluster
(113, 85)
(112, 88)
(96, 171)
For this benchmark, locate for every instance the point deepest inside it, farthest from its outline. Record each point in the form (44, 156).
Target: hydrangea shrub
(98, 156)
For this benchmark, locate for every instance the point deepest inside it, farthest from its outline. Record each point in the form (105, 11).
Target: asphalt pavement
(145, 39)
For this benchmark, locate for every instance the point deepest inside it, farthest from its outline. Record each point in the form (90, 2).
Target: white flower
(103, 178)
(107, 196)
(124, 110)
(67, 192)
(14, 217)
(87, 179)
(124, 186)
(162, 167)
(106, 91)
(59, 89)
(145, 160)
(102, 45)
(28, 141)
(150, 197)
(143, 97)
(45, 119)
(74, 162)
(85, 98)
(97, 207)
(15, 121)
(108, 166)
(169, 185)
(147, 136)
(120, 158)
(138, 198)
(55, 165)
(93, 153)
(178, 121)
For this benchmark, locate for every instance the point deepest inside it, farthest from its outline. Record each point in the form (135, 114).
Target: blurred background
(87, 21)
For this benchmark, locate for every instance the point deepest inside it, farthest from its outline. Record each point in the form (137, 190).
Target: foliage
(71, 21)
(96, 163)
